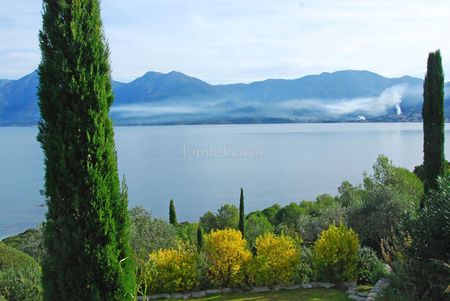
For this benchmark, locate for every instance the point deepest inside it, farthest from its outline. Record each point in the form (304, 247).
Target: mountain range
(176, 98)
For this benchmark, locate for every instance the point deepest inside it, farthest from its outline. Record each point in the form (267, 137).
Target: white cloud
(224, 41)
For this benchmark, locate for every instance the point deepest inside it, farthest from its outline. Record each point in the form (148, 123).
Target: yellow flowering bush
(336, 254)
(172, 270)
(275, 260)
(227, 254)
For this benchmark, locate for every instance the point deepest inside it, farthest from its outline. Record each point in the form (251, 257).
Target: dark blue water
(203, 167)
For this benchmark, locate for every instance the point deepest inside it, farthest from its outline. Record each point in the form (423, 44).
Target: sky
(229, 41)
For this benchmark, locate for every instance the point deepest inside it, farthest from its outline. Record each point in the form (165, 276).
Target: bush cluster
(13, 258)
(226, 261)
(336, 254)
(370, 267)
(275, 261)
(172, 270)
(227, 254)
(20, 276)
(21, 284)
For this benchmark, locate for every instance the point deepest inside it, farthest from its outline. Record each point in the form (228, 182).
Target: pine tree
(87, 229)
(241, 213)
(172, 214)
(200, 242)
(433, 121)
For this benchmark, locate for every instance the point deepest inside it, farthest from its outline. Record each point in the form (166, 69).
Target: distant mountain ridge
(176, 98)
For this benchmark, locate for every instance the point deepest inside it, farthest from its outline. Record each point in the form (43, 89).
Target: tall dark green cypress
(200, 242)
(172, 214)
(87, 228)
(433, 121)
(242, 214)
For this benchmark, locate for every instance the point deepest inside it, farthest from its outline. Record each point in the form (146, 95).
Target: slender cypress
(172, 214)
(200, 242)
(87, 229)
(241, 213)
(433, 122)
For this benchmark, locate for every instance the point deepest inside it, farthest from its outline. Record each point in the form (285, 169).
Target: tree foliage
(226, 217)
(310, 226)
(433, 121)
(350, 196)
(187, 232)
(428, 246)
(172, 214)
(242, 214)
(149, 234)
(86, 233)
(289, 214)
(271, 213)
(200, 239)
(389, 194)
(30, 242)
(257, 224)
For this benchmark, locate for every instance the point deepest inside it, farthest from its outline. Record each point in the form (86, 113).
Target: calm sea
(202, 167)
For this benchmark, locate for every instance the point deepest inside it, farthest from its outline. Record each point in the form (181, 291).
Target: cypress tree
(433, 122)
(172, 214)
(241, 213)
(87, 229)
(200, 243)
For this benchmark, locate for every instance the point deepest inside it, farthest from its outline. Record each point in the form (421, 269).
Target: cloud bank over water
(388, 102)
(149, 110)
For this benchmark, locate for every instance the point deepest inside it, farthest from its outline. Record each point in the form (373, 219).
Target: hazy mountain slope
(158, 98)
(155, 86)
(4, 82)
(18, 100)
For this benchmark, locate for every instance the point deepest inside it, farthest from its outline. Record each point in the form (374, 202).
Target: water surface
(202, 167)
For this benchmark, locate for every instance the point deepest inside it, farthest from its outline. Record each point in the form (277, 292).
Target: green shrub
(256, 272)
(310, 226)
(393, 294)
(256, 225)
(148, 234)
(389, 193)
(425, 270)
(429, 279)
(336, 254)
(187, 232)
(30, 242)
(21, 284)
(203, 267)
(304, 271)
(370, 267)
(13, 258)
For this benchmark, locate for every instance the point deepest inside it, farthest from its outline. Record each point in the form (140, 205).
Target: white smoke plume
(388, 99)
